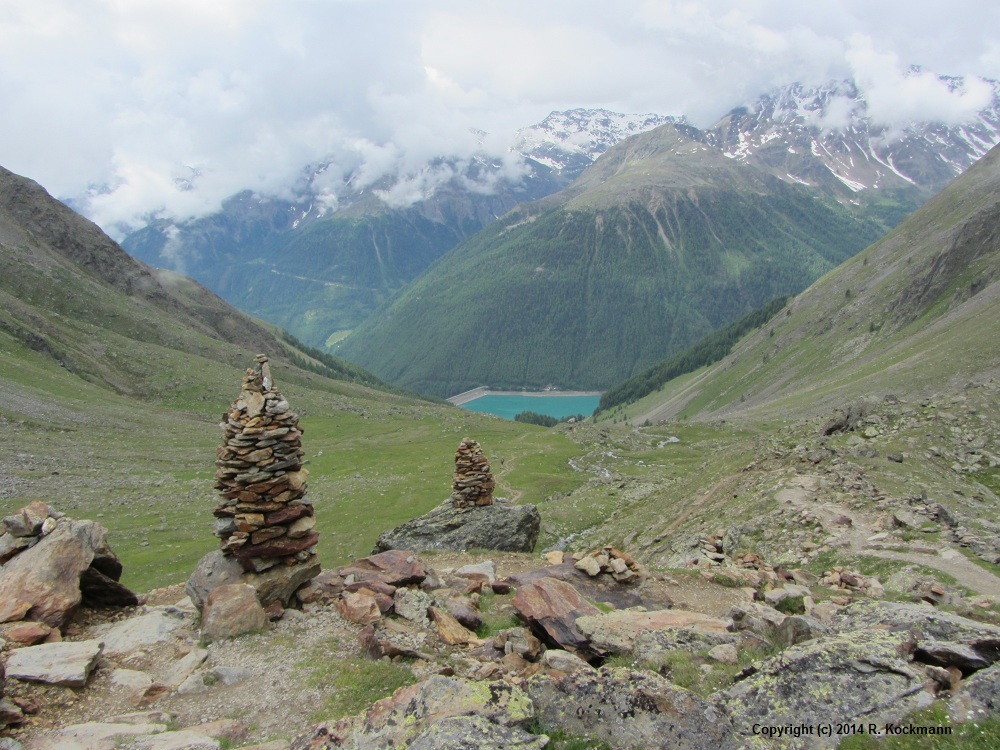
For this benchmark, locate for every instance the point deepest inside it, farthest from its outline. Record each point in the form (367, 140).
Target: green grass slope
(915, 313)
(114, 378)
(659, 243)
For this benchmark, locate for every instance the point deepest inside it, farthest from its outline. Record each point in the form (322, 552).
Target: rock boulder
(508, 528)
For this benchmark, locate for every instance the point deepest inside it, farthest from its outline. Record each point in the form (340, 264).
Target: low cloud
(164, 108)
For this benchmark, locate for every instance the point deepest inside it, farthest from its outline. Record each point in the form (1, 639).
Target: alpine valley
(784, 517)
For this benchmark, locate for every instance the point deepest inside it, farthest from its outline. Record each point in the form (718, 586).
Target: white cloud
(173, 105)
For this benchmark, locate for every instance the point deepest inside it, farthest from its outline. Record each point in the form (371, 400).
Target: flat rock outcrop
(629, 708)
(860, 674)
(403, 719)
(501, 527)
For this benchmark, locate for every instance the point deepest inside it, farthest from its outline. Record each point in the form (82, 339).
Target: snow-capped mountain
(570, 141)
(825, 137)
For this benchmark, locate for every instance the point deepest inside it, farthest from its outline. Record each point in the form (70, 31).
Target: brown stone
(451, 630)
(288, 514)
(395, 567)
(27, 633)
(359, 607)
(232, 609)
(280, 547)
(552, 607)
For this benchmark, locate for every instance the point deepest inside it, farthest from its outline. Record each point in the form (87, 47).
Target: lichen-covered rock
(650, 646)
(464, 732)
(615, 632)
(507, 528)
(630, 709)
(977, 697)
(931, 622)
(862, 674)
(399, 720)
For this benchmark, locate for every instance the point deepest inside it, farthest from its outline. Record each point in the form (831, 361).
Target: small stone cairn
(263, 517)
(473, 483)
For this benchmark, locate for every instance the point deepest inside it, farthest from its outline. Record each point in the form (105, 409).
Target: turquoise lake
(507, 406)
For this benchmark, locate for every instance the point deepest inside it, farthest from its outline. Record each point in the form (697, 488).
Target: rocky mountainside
(569, 142)
(911, 314)
(345, 250)
(825, 137)
(659, 242)
(73, 295)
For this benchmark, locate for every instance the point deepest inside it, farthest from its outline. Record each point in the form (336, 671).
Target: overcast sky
(146, 97)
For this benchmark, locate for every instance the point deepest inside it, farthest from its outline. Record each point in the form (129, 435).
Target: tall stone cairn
(473, 483)
(263, 517)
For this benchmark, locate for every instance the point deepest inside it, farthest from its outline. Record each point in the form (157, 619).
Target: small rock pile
(264, 518)
(847, 580)
(473, 483)
(24, 528)
(622, 567)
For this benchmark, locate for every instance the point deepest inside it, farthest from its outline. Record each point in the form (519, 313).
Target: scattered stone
(395, 567)
(798, 629)
(563, 661)
(231, 610)
(68, 663)
(725, 653)
(450, 630)
(628, 708)
(359, 607)
(412, 605)
(28, 633)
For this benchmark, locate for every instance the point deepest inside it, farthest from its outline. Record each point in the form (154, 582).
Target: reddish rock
(359, 607)
(552, 607)
(280, 547)
(395, 567)
(450, 630)
(43, 582)
(28, 633)
(232, 609)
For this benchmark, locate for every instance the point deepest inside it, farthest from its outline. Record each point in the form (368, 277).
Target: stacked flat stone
(473, 483)
(263, 517)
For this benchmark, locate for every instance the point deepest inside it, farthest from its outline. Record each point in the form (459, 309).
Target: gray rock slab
(932, 623)
(184, 739)
(464, 732)
(67, 663)
(977, 698)
(628, 708)
(183, 668)
(851, 676)
(136, 632)
(92, 736)
(507, 528)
